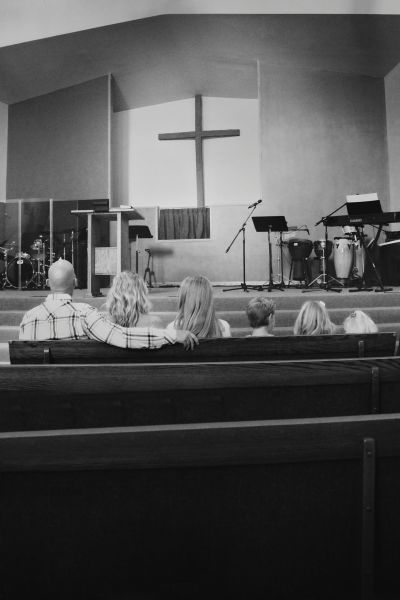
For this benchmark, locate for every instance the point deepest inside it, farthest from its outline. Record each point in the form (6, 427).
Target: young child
(261, 314)
(359, 322)
(313, 319)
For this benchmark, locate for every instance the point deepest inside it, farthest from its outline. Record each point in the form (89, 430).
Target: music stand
(275, 223)
(135, 232)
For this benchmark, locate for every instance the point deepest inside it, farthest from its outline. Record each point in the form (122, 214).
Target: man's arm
(99, 327)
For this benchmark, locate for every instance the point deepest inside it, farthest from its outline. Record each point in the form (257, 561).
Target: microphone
(254, 204)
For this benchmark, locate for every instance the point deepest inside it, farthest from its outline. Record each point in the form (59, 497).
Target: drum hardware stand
(323, 279)
(364, 288)
(271, 224)
(149, 269)
(243, 286)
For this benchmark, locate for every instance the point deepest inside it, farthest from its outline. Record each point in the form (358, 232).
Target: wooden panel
(105, 261)
(212, 350)
(209, 444)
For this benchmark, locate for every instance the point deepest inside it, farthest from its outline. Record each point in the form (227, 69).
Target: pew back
(277, 509)
(209, 350)
(71, 396)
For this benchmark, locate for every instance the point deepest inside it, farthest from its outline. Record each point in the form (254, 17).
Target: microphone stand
(243, 286)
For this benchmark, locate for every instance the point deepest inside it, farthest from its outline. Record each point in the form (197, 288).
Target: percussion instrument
(342, 256)
(349, 230)
(21, 263)
(300, 249)
(39, 248)
(358, 259)
(323, 250)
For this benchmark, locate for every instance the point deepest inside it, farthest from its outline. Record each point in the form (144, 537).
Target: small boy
(261, 314)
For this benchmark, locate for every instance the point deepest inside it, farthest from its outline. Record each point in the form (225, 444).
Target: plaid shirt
(59, 318)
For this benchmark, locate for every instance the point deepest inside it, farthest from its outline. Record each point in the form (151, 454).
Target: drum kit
(25, 269)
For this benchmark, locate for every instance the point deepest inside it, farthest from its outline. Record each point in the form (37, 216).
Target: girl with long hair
(196, 311)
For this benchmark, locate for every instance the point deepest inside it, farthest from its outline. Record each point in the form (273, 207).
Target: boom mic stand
(243, 286)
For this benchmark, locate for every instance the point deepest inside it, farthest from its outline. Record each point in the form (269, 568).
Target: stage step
(238, 318)
(163, 300)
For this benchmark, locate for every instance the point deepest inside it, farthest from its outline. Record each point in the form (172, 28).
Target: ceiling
(164, 58)
(28, 20)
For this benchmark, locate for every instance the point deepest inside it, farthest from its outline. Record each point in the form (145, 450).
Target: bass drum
(23, 264)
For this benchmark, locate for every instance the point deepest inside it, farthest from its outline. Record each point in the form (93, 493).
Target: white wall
(150, 172)
(3, 149)
(392, 93)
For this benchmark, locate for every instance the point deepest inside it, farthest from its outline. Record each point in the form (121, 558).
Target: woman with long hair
(313, 319)
(127, 302)
(196, 311)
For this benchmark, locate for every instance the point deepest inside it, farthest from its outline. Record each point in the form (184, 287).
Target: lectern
(113, 260)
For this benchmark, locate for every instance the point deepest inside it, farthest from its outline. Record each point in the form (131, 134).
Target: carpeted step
(4, 353)
(8, 333)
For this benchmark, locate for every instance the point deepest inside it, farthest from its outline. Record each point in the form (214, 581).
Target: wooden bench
(71, 396)
(209, 350)
(281, 509)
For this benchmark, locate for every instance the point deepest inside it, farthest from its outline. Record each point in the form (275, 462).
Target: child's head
(313, 319)
(261, 312)
(196, 311)
(359, 322)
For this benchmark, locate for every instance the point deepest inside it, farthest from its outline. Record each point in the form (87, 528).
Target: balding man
(59, 318)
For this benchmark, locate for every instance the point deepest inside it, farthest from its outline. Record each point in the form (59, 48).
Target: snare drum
(342, 256)
(21, 263)
(323, 249)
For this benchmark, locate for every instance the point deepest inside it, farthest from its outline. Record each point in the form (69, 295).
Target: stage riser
(283, 318)
(23, 301)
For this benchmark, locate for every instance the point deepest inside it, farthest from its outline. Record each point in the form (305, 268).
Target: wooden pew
(210, 350)
(71, 396)
(270, 509)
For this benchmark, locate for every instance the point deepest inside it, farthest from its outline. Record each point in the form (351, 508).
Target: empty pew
(209, 350)
(70, 396)
(270, 509)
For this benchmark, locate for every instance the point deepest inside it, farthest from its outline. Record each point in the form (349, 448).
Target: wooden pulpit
(107, 260)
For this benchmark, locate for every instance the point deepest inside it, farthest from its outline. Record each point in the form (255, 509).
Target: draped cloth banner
(184, 223)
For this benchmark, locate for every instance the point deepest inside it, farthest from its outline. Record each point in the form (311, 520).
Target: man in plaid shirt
(58, 318)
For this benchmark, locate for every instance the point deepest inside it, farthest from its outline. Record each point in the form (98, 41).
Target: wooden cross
(198, 135)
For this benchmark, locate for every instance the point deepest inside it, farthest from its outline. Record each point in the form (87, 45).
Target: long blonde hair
(127, 299)
(313, 319)
(196, 310)
(359, 322)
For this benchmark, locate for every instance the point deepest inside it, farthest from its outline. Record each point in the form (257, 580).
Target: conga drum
(300, 250)
(342, 256)
(359, 259)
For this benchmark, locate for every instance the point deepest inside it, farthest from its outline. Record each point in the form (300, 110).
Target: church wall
(392, 91)
(58, 144)
(3, 162)
(323, 137)
(151, 172)
(3, 149)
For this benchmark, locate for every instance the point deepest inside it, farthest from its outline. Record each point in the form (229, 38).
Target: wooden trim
(207, 375)
(253, 442)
